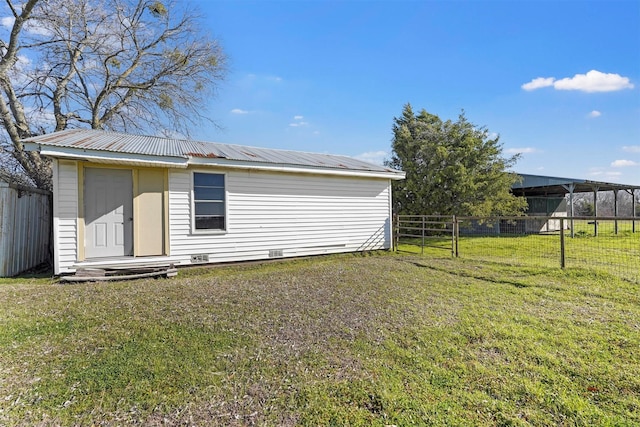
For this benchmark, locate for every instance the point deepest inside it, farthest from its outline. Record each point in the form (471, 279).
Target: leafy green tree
(453, 168)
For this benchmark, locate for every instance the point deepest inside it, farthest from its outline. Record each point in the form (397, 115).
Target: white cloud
(298, 122)
(38, 29)
(24, 61)
(239, 111)
(523, 150)
(376, 157)
(7, 21)
(594, 114)
(538, 83)
(22, 70)
(624, 163)
(603, 173)
(41, 117)
(631, 148)
(592, 81)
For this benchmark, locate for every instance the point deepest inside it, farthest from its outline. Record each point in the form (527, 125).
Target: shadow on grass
(467, 274)
(41, 271)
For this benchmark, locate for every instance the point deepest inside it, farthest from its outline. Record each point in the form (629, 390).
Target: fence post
(595, 210)
(615, 211)
(453, 235)
(562, 259)
(394, 232)
(422, 245)
(633, 210)
(456, 225)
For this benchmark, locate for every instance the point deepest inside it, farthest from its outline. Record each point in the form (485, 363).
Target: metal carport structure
(547, 186)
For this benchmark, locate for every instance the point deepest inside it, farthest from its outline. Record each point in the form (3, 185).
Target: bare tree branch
(108, 64)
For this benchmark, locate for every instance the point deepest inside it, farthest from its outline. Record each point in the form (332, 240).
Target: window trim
(201, 231)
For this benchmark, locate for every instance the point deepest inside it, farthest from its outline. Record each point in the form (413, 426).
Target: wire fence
(609, 244)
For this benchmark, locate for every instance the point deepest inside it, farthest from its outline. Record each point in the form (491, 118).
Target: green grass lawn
(383, 339)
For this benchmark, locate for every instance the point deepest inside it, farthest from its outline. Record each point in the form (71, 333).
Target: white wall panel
(65, 215)
(298, 214)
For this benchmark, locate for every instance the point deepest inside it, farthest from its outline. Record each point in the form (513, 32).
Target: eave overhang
(108, 157)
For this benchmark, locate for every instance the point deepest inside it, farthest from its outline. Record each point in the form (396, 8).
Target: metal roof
(539, 185)
(115, 142)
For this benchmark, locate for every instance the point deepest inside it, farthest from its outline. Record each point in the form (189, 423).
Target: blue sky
(559, 81)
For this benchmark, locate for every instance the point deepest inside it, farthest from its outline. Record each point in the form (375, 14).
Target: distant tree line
(583, 204)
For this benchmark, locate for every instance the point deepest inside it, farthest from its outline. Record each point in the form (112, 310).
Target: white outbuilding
(127, 200)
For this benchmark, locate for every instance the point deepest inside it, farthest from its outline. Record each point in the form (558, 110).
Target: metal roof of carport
(539, 185)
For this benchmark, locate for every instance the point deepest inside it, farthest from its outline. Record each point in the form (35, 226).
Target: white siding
(298, 214)
(65, 215)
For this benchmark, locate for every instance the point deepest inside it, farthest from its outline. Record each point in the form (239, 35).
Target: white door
(108, 212)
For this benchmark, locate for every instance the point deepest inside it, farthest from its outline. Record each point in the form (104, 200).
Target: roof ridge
(199, 141)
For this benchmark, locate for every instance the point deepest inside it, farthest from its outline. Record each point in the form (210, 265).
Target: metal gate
(433, 231)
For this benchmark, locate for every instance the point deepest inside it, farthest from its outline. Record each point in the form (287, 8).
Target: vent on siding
(275, 253)
(198, 258)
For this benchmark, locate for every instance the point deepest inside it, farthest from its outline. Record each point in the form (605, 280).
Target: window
(208, 201)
